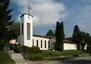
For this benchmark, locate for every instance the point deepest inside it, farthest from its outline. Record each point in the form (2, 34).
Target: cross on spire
(28, 9)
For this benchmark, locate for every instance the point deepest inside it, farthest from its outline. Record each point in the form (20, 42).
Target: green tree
(59, 36)
(84, 39)
(5, 21)
(76, 36)
(16, 29)
(62, 35)
(50, 33)
(89, 44)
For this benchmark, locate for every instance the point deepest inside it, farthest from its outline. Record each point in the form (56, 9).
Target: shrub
(75, 55)
(24, 48)
(35, 56)
(17, 49)
(34, 49)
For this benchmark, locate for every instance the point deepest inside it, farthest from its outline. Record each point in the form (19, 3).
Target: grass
(63, 53)
(56, 54)
(5, 58)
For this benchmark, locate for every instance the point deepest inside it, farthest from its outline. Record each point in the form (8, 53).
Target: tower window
(28, 31)
(22, 28)
(33, 42)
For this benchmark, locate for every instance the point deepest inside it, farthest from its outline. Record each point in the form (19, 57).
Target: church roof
(43, 36)
(26, 14)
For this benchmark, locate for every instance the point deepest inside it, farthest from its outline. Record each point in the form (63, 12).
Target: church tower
(26, 30)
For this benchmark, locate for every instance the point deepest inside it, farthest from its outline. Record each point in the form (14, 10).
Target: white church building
(27, 38)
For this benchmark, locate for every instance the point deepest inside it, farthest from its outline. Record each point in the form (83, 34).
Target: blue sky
(47, 12)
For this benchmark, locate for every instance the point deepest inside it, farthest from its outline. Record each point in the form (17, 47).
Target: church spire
(28, 10)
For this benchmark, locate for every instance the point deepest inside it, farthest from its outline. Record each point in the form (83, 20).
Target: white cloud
(18, 18)
(45, 12)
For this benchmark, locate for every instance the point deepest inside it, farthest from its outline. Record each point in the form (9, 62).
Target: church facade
(27, 38)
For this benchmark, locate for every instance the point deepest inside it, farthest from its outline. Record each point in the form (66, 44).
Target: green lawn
(56, 54)
(5, 58)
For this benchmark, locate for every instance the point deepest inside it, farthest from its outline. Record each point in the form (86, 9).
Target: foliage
(37, 56)
(57, 46)
(24, 48)
(84, 38)
(5, 22)
(53, 55)
(89, 44)
(80, 38)
(34, 49)
(62, 53)
(16, 29)
(59, 36)
(17, 49)
(76, 36)
(5, 58)
(50, 33)
(62, 35)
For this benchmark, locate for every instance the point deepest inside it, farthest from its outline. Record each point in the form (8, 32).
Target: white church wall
(35, 38)
(21, 41)
(70, 46)
(25, 18)
(28, 19)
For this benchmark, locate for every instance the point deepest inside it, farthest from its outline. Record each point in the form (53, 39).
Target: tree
(50, 33)
(84, 39)
(76, 36)
(62, 35)
(89, 44)
(15, 29)
(5, 21)
(59, 36)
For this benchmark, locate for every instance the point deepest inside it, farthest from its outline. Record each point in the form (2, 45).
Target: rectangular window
(48, 44)
(37, 42)
(45, 44)
(22, 28)
(41, 43)
(33, 42)
(28, 31)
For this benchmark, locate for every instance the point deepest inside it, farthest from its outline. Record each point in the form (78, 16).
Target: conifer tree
(5, 21)
(50, 33)
(62, 35)
(76, 36)
(59, 36)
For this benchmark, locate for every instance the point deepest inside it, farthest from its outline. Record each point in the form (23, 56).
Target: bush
(75, 55)
(17, 49)
(35, 56)
(34, 49)
(2, 46)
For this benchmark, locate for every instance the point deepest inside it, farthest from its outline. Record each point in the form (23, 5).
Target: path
(18, 58)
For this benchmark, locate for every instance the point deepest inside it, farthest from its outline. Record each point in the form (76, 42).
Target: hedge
(33, 49)
(55, 55)
(17, 49)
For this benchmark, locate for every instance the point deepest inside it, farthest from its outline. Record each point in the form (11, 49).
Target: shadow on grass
(76, 61)
(5, 58)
